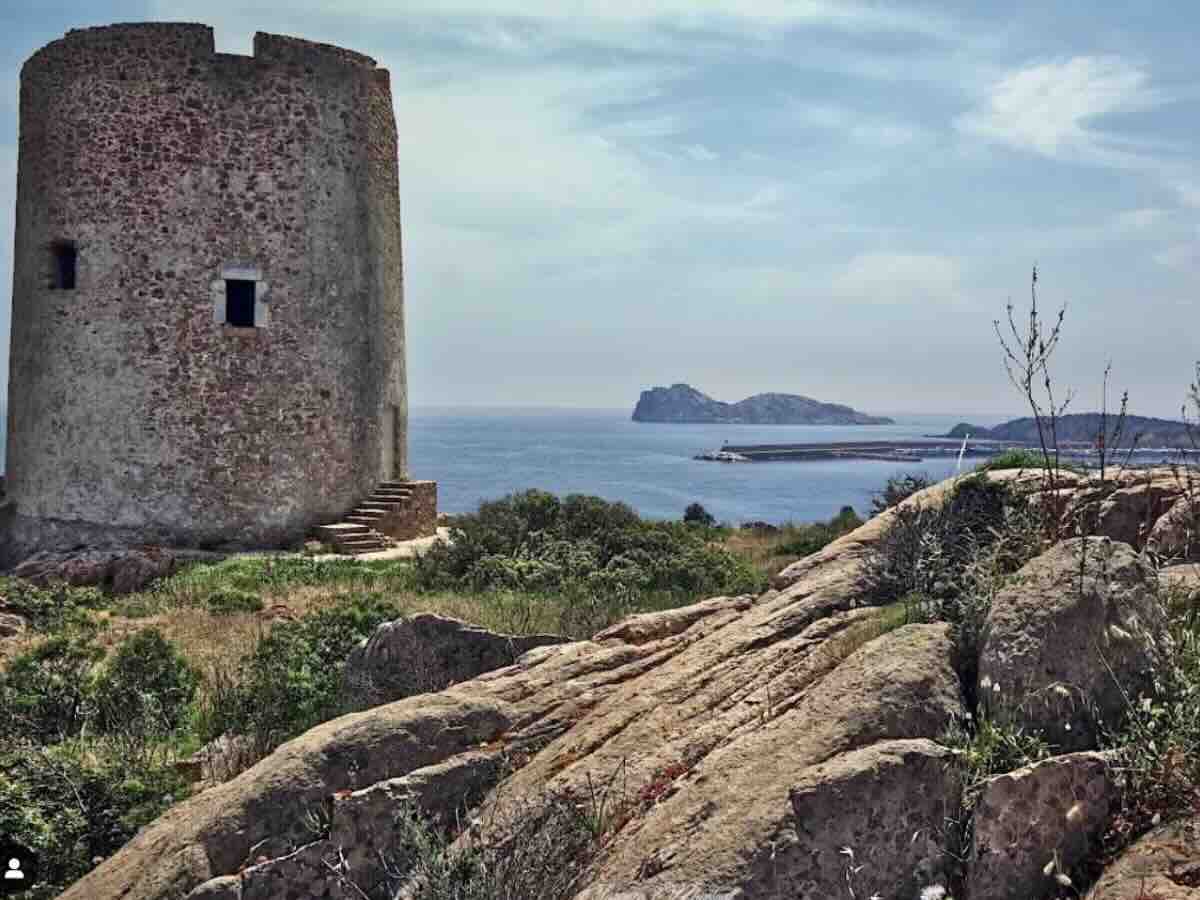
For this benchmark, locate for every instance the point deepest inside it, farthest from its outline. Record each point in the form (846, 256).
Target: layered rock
(734, 703)
(784, 745)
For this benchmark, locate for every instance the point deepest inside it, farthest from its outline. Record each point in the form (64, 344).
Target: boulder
(1130, 513)
(120, 570)
(427, 652)
(1176, 535)
(1163, 865)
(1074, 640)
(11, 625)
(912, 785)
(1051, 813)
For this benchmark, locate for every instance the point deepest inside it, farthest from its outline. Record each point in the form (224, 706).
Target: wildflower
(1063, 879)
(933, 892)
(1048, 868)
(1075, 813)
(847, 851)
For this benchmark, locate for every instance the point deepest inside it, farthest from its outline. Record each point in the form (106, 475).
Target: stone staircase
(356, 533)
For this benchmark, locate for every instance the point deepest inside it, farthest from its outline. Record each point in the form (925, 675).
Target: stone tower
(208, 323)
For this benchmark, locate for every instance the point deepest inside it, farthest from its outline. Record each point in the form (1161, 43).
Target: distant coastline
(1085, 429)
(683, 404)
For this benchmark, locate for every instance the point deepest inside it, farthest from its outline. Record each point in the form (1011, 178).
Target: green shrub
(897, 489)
(928, 546)
(804, 540)
(46, 692)
(1160, 743)
(73, 802)
(1020, 458)
(146, 688)
(293, 678)
(51, 608)
(541, 855)
(534, 542)
(229, 601)
(696, 514)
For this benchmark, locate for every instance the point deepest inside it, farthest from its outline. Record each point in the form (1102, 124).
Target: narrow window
(239, 302)
(64, 258)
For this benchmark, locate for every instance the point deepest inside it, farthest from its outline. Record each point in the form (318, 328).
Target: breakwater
(889, 451)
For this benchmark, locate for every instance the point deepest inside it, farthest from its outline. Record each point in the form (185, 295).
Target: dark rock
(427, 652)
(119, 570)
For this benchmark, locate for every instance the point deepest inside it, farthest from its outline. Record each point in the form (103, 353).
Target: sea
(484, 453)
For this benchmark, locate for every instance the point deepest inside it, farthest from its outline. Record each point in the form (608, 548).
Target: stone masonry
(208, 324)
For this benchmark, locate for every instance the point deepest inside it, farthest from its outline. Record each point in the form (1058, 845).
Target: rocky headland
(682, 403)
(1083, 428)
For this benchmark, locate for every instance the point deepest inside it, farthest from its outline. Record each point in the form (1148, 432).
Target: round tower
(207, 324)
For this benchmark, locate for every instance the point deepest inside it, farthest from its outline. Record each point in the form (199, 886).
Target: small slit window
(64, 259)
(239, 302)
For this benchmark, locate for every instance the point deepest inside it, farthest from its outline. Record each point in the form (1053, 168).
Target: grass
(770, 550)
(260, 640)
(1019, 458)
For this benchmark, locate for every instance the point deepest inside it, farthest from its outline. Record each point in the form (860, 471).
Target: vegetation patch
(578, 546)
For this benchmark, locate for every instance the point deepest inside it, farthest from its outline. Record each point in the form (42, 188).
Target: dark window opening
(65, 256)
(239, 303)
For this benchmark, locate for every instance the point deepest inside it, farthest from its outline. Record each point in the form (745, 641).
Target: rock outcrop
(781, 745)
(427, 652)
(1163, 865)
(1036, 823)
(724, 709)
(120, 570)
(1068, 646)
(683, 403)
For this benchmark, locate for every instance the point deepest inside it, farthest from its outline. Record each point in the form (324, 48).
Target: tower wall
(135, 411)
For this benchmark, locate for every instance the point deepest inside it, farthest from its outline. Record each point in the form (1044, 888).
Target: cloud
(855, 125)
(1051, 109)
(700, 153)
(1188, 192)
(1139, 219)
(1182, 257)
(900, 278)
(712, 14)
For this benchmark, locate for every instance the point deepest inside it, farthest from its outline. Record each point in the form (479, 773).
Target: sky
(834, 199)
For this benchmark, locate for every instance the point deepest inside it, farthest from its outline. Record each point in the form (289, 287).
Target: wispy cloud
(1139, 219)
(900, 278)
(1053, 109)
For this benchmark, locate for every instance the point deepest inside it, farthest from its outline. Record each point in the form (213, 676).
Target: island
(1083, 428)
(683, 404)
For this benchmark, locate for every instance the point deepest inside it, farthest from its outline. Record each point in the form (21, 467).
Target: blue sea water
(483, 453)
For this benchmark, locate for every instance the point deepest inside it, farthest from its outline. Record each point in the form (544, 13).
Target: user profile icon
(18, 869)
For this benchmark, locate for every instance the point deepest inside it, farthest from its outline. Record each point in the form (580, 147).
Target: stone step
(366, 545)
(367, 519)
(342, 529)
(388, 498)
(393, 492)
(394, 484)
(381, 505)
